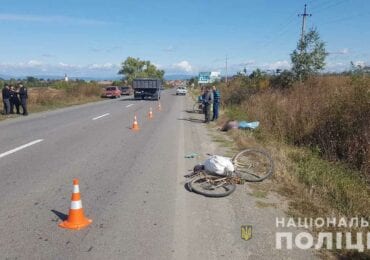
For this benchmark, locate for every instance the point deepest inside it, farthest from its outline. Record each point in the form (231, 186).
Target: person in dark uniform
(216, 102)
(23, 95)
(207, 104)
(14, 100)
(6, 96)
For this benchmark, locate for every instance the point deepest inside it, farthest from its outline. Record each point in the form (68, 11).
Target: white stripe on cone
(76, 189)
(76, 204)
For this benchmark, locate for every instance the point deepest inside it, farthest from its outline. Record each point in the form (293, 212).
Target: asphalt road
(131, 183)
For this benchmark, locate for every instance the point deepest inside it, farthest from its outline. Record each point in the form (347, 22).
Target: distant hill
(178, 77)
(54, 77)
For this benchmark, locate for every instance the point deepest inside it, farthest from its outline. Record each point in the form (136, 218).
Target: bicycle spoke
(253, 165)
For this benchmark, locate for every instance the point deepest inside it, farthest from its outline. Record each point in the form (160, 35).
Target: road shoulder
(214, 224)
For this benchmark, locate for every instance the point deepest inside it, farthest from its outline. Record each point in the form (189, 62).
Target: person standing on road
(207, 104)
(216, 102)
(14, 100)
(6, 96)
(23, 95)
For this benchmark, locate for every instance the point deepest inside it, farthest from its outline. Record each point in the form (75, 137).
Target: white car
(181, 91)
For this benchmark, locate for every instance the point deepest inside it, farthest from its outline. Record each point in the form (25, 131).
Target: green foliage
(61, 85)
(343, 188)
(117, 83)
(31, 80)
(309, 57)
(193, 80)
(284, 80)
(257, 75)
(133, 68)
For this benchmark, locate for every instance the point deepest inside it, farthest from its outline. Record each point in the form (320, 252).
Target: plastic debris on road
(192, 155)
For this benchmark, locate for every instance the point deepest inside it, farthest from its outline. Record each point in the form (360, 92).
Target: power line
(346, 18)
(329, 5)
(321, 4)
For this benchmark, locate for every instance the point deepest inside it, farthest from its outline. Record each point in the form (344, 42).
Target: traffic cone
(150, 114)
(76, 218)
(135, 125)
(159, 106)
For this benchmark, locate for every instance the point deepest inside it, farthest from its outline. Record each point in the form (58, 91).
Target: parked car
(181, 91)
(126, 90)
(111, 92)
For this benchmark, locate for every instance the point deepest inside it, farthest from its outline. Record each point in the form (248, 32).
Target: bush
(330, 114)
(284, 80)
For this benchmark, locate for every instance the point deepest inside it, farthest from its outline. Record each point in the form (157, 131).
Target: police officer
(208, 101)
(216, 102)
(23, 95)
(6, 96)
(14, 100)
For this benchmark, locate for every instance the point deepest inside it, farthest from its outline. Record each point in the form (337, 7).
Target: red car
(111, 92)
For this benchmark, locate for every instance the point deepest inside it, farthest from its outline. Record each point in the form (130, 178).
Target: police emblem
(246, 232)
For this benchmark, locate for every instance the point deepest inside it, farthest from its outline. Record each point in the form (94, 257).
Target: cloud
(360, 63)
(252, 65)
(63, 65)
(35, 67)
(344, 51)
(109, 49)
(48, 19)
(158, 66)
(169, 49)
(103, 66)
(47, 55)
(34, 63)
(247, 63)
(183, 66)
(282, 64)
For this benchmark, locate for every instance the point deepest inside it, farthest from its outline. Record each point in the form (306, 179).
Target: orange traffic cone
(76, 218)
(150, 114)
(159, 106)
(135, 125)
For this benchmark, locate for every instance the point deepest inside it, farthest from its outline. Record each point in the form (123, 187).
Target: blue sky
(91, 38)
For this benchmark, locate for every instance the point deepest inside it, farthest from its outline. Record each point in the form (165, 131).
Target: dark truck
(147, 88)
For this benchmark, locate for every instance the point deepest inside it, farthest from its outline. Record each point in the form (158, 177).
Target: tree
(309, 57)
(133, 68)
(284, 80)
(257, 74)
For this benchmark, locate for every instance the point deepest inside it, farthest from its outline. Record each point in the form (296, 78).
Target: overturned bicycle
(218, 176)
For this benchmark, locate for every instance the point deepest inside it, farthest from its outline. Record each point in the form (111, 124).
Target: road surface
(131, 183)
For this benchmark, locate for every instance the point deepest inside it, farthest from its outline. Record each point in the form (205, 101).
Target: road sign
(204, 77)
(208, 77)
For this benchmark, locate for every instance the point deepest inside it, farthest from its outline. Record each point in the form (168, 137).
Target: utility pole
(304, 15)
(226, 72)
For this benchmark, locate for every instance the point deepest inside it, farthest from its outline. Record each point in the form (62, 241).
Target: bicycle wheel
(196, 107)
(211, 186)
(253, 165)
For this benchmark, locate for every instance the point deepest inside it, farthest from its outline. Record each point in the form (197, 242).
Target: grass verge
(59, 96)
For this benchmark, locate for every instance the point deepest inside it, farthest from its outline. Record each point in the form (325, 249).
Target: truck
(147, 88)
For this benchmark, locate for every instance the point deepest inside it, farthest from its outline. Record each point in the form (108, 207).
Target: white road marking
(130, 105)
(20, 148)
(95, 118)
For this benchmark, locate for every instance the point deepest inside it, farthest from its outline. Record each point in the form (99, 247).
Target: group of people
(14, 97)
(210, 97)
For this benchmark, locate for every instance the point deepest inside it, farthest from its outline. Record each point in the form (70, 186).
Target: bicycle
(251, 165)
(198, 107)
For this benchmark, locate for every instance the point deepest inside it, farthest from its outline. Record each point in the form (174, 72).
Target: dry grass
(318, 135)
(329, 114)
(61, 94)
